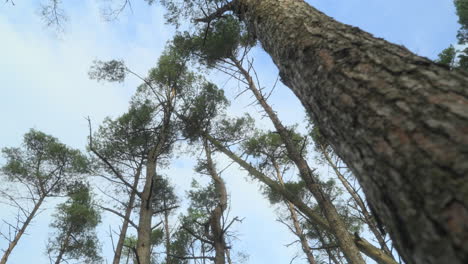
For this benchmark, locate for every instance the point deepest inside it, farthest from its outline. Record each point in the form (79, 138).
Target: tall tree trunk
(143, 249)
(342, 235)
(167, 234)
(128, 212)
(297, 226)
(364, 246)
(217, 231)
(398, 120)
(21, 231)
(377, 85)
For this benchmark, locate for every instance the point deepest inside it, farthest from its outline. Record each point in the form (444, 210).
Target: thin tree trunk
(342, 235)
(330, 253)
(167, 234)
(297, 226)
(21, 231)
(128, 212)
(364, 246)
(217, 214)
(398, 120)
(367, 216)
(63, 247)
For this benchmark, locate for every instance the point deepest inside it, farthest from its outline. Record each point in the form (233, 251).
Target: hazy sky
(44, 85)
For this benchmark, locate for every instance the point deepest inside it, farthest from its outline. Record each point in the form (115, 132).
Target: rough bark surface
(398, 120)
(368, 218)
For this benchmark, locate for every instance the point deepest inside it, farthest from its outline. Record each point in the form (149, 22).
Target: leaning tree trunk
(21, 231)
(398, 120)
(292, 212)
(219, 242)
(128, 212)
(337, 224)
(364, 246)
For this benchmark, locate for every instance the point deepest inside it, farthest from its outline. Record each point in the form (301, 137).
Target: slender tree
(75, 223)
(121, 146)
(41, 168)
(270, 149)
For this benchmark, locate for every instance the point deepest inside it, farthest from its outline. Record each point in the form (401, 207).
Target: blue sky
(44, 85)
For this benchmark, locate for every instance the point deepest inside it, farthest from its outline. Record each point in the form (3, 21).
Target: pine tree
(41, 168)
(75, 223)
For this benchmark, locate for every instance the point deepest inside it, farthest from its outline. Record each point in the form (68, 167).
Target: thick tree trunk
(364, 246)
(128, 212)
(398, 120)
(217, 231)
(25, 225)
(342, 235)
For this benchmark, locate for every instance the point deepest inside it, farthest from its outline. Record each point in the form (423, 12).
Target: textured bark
(398, 120)
(128, 212)
(20, 233)
(297, 227)
(217, 232)
(342, 235)
(364, 246)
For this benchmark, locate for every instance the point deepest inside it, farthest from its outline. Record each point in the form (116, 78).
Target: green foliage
(171, 73)
(203, 199)
(111, 71)
(163, 196)
(462, 11)
(447, 56)
(233, 129)
(463, 60)
(461, 7)
(203, 108)
(75, 223)
(44, 163)
(297, 188)
(220, 41)
(129, 136)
